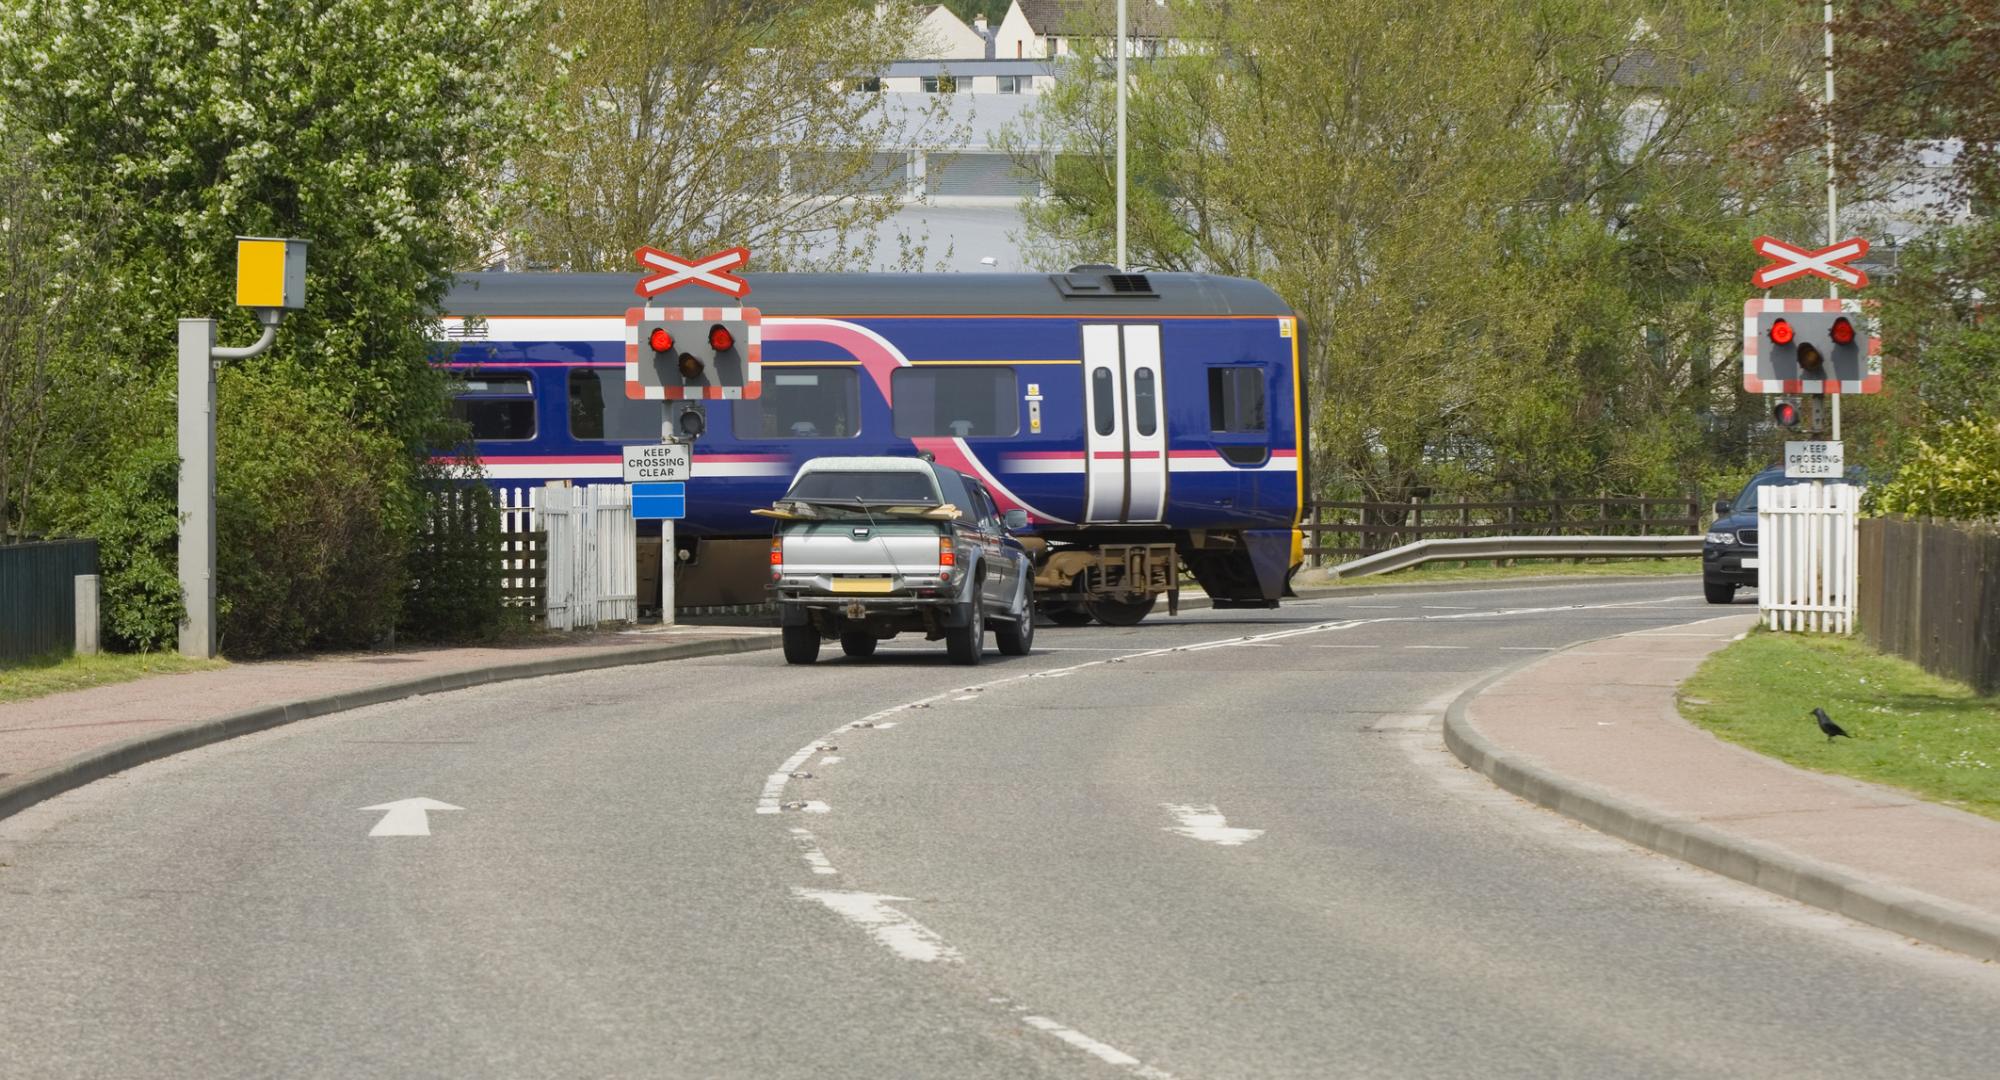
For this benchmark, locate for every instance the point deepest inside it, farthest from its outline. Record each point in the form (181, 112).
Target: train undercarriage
(1077, 580)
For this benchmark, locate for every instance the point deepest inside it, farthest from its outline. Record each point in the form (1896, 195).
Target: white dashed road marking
(1206, 823)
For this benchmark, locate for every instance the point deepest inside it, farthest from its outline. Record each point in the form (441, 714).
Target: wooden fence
(1930, 593)
(1350, 529)
(38, 596)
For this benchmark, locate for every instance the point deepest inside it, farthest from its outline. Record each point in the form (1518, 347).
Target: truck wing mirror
(1015, 519)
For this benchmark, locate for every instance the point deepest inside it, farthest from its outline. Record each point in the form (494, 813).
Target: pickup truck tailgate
(849, 547)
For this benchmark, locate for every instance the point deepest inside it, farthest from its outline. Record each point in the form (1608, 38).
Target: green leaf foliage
(1954, 473)
(1516, 234)
(371, 129)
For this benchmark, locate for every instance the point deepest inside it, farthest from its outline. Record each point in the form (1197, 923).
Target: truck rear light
(777, 559)
(946, 556)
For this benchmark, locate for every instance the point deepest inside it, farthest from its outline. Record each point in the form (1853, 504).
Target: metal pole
(667, 572)
(1832, 188)
(197, 487)
(1121, 134)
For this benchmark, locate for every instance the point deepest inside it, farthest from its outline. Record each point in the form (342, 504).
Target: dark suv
(1729, 551)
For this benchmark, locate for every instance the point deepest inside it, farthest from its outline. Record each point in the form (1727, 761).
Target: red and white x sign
(681, 272)
(1830, 263)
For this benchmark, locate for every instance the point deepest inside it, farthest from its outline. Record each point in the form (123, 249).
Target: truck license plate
(863, 585)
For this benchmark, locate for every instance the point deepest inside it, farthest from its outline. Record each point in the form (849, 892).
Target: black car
(1729, 551)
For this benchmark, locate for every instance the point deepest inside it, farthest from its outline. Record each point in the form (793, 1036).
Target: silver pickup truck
(866, 548)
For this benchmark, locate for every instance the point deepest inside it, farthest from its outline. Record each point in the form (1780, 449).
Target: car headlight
(1722, 538)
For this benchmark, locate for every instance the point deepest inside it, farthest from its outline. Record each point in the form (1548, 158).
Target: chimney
(979, 24)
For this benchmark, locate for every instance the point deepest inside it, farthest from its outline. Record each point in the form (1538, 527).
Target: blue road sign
(666, 500)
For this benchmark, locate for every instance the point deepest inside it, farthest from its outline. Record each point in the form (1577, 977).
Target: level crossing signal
(1785, 413)
(1809, 347)
(682, 354)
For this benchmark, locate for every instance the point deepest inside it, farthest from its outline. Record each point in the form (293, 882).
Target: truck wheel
(801, 644)
(1718, 592)
(964, 643)
(858, 643)
(1017, 637)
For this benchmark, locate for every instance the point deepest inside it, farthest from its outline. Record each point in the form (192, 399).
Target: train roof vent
(1093, 282)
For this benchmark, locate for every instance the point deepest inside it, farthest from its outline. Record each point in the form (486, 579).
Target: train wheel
(858, 644)
(1067, 615)
(801, 644)
(1120, 612)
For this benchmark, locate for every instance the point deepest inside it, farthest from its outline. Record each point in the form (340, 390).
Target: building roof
(1096, 18)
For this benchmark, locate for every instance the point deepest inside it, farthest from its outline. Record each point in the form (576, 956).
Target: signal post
(270, 280)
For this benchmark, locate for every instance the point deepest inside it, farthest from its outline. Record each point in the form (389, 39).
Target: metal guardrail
(1519, 547)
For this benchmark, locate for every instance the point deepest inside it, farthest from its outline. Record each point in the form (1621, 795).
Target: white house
(1051, 28)
(943, 36)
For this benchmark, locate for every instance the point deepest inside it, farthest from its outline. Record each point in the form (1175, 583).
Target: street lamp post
(1121, 134)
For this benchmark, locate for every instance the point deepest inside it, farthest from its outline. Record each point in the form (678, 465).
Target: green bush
(132, 513)
(1954, 475)
(313, 515)
(455, 565)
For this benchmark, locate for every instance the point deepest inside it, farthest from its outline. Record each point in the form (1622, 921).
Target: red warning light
(1843, 332)
(1781, 333)
(720, 339)
(661, 340)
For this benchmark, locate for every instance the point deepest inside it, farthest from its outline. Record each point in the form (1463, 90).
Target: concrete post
(197, 487)
(86, 615)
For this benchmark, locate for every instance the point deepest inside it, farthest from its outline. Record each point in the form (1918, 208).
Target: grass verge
(1911, 729)
(1487, 571)
(53, 675)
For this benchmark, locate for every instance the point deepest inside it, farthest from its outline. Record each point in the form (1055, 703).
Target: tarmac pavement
(1591, 732)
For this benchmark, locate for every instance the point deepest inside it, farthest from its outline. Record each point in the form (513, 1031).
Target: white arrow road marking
(904, 936)
(407, 817)
(1207, 823)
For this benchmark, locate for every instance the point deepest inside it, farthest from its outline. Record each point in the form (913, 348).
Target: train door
(1125, 445)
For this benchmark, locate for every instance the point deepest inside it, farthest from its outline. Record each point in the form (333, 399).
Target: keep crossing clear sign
(656, 462)
(1814, 461)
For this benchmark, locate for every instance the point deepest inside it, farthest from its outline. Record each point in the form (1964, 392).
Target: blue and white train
(1139, 420)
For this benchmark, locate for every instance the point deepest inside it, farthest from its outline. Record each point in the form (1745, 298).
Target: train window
(599, 409)
(1104, 405)
(1236, 399)
(802, 403)
(966, 402)
(1145, 401)
(497, 407)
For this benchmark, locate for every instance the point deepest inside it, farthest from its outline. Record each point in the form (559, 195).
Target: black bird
(1827, 725)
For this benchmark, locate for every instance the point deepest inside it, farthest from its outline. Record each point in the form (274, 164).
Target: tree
(694, 125)
(1915, 79)
(46, 248)
(370, 128)
(1513, 233)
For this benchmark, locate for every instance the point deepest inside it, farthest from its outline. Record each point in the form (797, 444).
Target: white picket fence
(592, 559)
(1807, 541)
